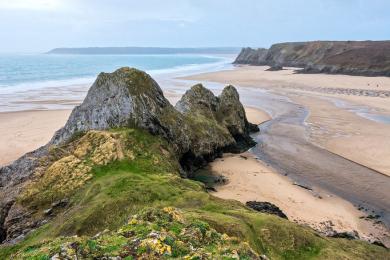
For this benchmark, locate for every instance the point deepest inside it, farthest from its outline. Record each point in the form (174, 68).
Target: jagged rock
(266, 207)
(200, 129)
(252, 56)
(222, 119)
(232, 114)
(124, 98)
(198, 100)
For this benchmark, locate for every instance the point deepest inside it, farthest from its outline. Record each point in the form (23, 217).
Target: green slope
(112, 176)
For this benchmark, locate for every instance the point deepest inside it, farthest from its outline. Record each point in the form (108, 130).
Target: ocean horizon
(35, 81)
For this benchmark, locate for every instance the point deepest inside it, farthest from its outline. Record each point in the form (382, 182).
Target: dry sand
(250, 179)
(256, 116)
(338, 130)
(22, 132)
(25, 131)
(346, 134)
(257, 76)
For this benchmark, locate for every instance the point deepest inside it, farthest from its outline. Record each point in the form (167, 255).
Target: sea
(52, 81)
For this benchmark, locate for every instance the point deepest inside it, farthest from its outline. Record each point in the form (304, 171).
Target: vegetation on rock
(75, 197)
(151, 234)
(149, 178)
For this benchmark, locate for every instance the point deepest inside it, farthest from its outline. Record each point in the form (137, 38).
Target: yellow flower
(225, 237)
(133, 221)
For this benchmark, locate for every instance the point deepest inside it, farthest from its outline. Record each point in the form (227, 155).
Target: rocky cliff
(252, 56)
(370, 58)
(200, 129)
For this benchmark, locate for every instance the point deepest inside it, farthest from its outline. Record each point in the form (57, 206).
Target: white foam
(41, 95)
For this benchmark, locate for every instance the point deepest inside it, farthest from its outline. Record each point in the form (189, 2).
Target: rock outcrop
(226, 111)
(370, 58)
(266, 207)
(252, 56)
(200, 129)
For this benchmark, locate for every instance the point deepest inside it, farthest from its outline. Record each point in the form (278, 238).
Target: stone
(351, 235)
(48, 212)
(266, 207)
(275, 68)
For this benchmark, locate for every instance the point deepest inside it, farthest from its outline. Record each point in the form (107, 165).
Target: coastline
(351, 127)
(38, 127)
(312, 136)
(249, 179)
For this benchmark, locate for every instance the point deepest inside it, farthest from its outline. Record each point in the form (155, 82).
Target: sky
(40, 25)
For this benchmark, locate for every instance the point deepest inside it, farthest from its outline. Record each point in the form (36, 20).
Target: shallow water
(283, 143)
(362, 111)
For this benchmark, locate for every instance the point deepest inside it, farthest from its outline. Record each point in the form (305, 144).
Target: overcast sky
(39, 25)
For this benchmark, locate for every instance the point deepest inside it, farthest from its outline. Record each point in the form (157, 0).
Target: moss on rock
(152, 234)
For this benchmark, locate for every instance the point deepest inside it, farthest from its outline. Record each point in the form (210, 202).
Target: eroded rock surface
(200, 129)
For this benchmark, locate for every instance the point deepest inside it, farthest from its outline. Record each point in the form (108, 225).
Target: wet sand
(314, 141)
(289, 142)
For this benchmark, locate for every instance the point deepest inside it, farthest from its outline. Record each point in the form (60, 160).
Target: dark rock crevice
(4, 209)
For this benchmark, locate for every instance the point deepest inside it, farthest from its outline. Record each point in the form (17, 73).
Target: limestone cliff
(370, 58)
(252, 56)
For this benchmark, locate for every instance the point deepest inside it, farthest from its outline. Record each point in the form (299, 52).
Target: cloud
(31, 4)
(44, 24)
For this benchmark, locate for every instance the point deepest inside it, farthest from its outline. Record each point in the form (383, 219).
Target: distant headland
(143, 50)
(368, 58)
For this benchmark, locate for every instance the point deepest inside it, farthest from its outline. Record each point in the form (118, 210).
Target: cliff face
(252, 56)
(200, 129)
(370, 58)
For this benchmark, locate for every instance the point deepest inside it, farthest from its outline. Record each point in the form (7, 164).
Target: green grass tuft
(150, 179)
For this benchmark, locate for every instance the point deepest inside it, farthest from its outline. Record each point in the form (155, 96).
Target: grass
(150, 178)
(151, 234)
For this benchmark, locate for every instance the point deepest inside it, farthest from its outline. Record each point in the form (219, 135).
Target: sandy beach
(25, 131)
(335, 129)
(330, 132)
(251, 180)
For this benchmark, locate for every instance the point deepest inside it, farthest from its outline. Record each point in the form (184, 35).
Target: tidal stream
(283, 143)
